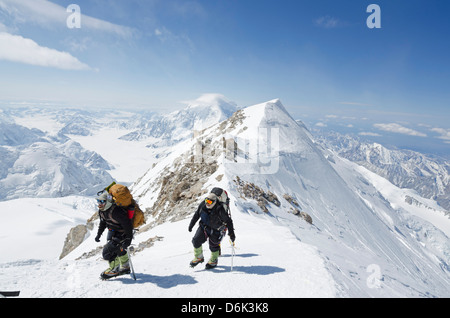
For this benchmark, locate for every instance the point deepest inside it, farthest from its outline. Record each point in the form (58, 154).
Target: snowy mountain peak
(272, 109)
(205, 111)
(272, 125)
(212, 100)
(212, 107)
(273, 104)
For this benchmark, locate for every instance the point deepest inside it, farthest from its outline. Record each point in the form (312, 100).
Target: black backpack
(223, 198)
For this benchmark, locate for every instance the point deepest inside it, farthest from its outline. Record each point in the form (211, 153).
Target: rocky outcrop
(180, 192)
(249, 190)
(74, 238)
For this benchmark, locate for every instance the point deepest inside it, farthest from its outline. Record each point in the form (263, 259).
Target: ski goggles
(209, 201)
(101, 201)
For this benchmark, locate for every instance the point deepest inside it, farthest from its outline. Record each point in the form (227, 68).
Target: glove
(232, 237)
(190, 228)
(97, 238)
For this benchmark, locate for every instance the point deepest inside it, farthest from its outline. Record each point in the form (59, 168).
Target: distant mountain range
(429, 176)
(37, 164)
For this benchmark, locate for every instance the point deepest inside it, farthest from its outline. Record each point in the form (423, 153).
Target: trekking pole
(133, 275)
(129, 250)
(232, 254)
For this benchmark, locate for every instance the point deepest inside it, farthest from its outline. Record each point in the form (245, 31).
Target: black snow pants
(205, 233)
(112, 249)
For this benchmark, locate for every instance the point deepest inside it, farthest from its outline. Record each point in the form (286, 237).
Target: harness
(112, 223)
(222, 233)
(208, 230)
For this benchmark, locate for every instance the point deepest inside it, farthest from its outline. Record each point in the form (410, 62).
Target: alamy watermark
(73, 280)
(259, 155)
(375, 277)
(74, 19)
(374, 19)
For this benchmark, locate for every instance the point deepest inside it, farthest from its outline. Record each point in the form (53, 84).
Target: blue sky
(318, 56)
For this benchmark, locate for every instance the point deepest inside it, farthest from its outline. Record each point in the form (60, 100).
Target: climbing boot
(112, 271)
(198, 257)
(124, 263)
(213, 260)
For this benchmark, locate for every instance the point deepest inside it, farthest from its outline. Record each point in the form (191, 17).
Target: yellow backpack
(120, 194)
(122, 197)
(138, 217)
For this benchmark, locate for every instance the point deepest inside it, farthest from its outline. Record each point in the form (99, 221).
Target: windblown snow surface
(365, 241)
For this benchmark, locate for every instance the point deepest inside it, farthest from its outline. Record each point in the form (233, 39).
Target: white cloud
(369, 134)
(47, 14)
(164, 34)
(19, 49)
(106, 26)
(327, 22)
(399, 129)
(444, 134)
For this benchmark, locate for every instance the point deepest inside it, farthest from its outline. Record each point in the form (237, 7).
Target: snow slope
(163, 270)
(35, 228)
(129, 158)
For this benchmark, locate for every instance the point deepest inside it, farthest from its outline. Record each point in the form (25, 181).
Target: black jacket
(116, 218)
(214, 218)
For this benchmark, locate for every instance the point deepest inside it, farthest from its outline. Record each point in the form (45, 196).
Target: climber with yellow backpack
(120, 214)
